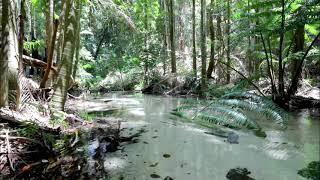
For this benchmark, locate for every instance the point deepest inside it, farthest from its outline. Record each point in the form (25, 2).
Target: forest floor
(71, 148)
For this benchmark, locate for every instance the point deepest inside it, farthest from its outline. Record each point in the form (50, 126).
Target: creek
(183, 151)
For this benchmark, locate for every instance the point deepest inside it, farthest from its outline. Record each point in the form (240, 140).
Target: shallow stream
(182, 151)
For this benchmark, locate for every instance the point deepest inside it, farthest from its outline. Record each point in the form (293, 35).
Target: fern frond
(233, 110)
(260, 109)
(233, 117)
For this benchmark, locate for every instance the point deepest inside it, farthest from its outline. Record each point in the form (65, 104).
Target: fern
(233, 110)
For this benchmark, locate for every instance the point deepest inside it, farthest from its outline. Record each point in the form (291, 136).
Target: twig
(8, 138)
(8, 149)
(197, 112)
(255, 86)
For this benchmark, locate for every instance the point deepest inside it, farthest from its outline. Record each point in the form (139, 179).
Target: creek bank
(33, 147)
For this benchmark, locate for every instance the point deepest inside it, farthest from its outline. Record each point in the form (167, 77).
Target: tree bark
(13, 49)
(77, 48)
(212, 38)
(295, 79)
(228, 41)
(203, 49)
(20, 52)
(65, 67)
(49, 13)
(281, 69)
(4, 11)
(194, 51)
(50, 56)
(220, 44)
(172, 36)
(165, 34)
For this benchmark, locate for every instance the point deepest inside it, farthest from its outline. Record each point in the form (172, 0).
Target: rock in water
(233, 138)
(166, 155)
(239, 174)
(155, 176)
(168, 178)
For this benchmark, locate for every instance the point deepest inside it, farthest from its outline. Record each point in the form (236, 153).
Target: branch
(255, 86)
(295, 79)
(36, 63)
(274, 90)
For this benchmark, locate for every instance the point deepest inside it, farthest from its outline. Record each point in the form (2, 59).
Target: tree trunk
(77, 48)
(4, 41)
(212, 38)
(172, 36)
(298, 47)
(50, 56)
(13, 49)
(295, 79)
(165, 34)
(228, 41)
(65, 66)
(20, 52)
(203, 49)
(194, 51)
(49, 13)
(146, 47)
(220, 44)
(281, 69)
(249, 50)
(60, 35)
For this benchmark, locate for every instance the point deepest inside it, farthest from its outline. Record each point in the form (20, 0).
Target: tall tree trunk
(65, 66)
(20, 52)
(212, 38)
(4, 41)
(194, 51)
(298, 47)
(220, 44)
(295, 79)
(77, 48)
(146, 47)
(249, 50)
(172, 36)
(228, 42)
(203, 49)
(165, 38)
(49, 12)
(13, 49)
(281, 69)
(57, 55)
(50, 56)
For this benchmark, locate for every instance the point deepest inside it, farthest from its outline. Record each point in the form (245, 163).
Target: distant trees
(247, 38)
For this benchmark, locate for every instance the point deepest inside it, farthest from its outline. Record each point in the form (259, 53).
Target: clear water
(195, 155)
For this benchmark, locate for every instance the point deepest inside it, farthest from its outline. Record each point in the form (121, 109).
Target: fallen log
(299, 102)
(27, 60)
(17, 118)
